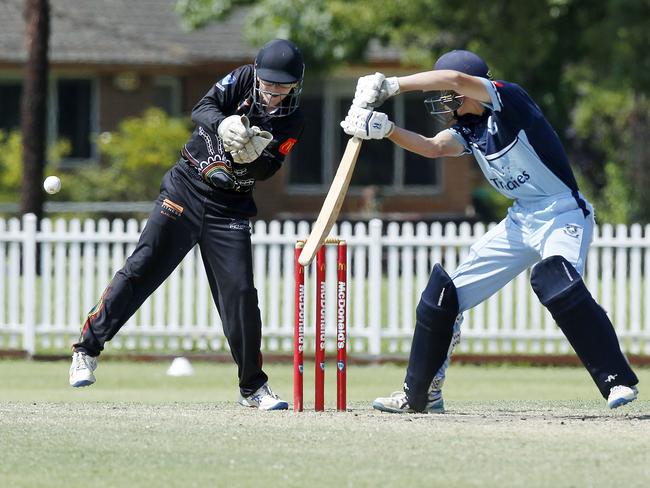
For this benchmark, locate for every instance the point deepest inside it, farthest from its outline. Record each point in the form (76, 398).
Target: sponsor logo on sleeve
(170, 209)
(287, 145)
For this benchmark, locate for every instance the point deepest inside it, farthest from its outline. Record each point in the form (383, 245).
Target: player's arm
(222, 99)
(208, 112)
(373, 90)
(441, 145)
(445, 79)
(367, 124)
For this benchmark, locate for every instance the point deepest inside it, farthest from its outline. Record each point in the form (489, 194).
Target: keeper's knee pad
(585, 324)
(435, 316)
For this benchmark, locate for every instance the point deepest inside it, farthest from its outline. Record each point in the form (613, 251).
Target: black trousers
(185, 214)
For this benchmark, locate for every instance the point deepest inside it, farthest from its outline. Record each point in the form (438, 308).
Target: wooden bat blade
(329, 212)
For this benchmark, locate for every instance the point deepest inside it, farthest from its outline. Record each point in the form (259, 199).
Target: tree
(34, 104)
(569, 54)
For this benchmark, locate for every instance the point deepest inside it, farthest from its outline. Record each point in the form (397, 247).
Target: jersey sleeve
(457, 133)
(222, 99)
(512, 102)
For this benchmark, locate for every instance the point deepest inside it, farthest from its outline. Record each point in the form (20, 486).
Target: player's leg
(558, 283)
(493, 261)
(435, 402)
(227, 256)
(171, 231)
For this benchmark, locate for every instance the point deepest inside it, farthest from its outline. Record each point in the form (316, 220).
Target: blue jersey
(517, 149)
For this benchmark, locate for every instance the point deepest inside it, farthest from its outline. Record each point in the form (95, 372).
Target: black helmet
(279, 62)
(443, 103)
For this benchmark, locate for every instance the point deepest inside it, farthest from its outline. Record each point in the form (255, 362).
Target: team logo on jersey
(287, 145)
(572, 230)
(228, 80)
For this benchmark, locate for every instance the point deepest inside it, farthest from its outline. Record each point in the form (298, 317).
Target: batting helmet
(279, 63)
(442, 103)
(464, 61)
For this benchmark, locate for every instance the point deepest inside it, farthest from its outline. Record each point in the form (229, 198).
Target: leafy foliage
(584, 62)
(197, 13)
(11, 163)
(136, 157)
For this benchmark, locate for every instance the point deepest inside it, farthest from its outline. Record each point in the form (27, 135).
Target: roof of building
(129, 32)
(124, 32)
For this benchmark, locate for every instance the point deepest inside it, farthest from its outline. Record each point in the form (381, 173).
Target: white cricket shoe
(264, 399)
(81, 369)
(619, 395)
(398, 403)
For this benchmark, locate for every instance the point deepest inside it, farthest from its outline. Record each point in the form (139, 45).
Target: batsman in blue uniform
(549, 225)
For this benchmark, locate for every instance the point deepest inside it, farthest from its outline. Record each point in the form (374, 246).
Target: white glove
(366, 124)
(254, 147)
(373, 90)
(234, 132)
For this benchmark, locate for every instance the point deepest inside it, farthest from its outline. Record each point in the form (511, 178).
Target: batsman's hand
(254, 147)
(235, 132)
(366, 124)
(373, 90)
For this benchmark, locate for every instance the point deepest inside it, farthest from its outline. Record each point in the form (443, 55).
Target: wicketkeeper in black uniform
(245, 126)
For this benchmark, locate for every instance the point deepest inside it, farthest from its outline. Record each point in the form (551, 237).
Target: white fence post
(374, 289)
(29, 283)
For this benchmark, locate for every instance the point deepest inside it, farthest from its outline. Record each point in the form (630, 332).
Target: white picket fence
(51, 278)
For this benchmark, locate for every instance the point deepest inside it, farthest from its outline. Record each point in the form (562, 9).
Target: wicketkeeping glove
(234, 132)
(366, 124)
(373, 90)
(254, 147)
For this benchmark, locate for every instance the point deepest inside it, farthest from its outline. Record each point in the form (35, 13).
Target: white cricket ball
(52, 184)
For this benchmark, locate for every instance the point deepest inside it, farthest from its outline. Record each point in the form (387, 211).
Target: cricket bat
(329, 212)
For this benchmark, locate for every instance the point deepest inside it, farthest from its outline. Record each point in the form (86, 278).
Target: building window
(73, 116)
(10, 105)
(381, 163)
(167, 94)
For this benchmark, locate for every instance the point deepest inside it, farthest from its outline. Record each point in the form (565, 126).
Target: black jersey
(234, 95)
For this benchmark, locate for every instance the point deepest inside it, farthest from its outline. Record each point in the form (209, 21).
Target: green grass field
(506, 426)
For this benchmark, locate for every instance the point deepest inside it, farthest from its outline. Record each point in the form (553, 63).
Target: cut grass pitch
(505, 427)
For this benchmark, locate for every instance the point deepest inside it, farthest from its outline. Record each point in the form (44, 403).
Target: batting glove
(366, 124)
(373, 90)
(254, 147)
(235, 132)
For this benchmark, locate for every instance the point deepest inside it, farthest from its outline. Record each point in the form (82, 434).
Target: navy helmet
(442, 103)
(279, 63)
(464, 61)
